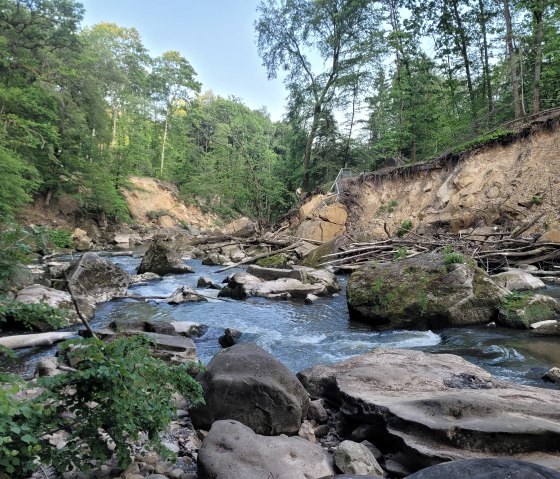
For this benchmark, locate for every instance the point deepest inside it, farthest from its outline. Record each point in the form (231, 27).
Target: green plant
(61, 238)
(14, 250)
(157, 214)
(404, 228)
(118, 389)
(452, 258)
(537, 199)
(401, 253)
(447, 249)
(31, 316)
(388, 208)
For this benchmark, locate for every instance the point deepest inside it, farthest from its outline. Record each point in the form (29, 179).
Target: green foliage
(118, 388)
(388, 208)
(31, 316)
(401, 253)
(495, 136)
(61, 238)
(537, 199)
(452, 258)
(404, 228)
(274, 261)
(14, 250)
(519, 310)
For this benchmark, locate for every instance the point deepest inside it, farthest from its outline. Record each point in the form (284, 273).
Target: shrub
(118, 388)
(404, 228)
(401, 253)
(14, 250)
(31, 316)
(452, 258)
(388, 208)
(537, 199)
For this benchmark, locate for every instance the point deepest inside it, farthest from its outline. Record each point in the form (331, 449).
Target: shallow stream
(302, 335)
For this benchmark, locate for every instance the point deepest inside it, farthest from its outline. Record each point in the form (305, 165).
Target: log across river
(301, 335)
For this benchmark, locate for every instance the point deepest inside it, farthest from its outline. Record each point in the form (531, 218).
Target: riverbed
(302, 335)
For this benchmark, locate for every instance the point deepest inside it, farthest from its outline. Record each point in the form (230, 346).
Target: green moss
(453, 258)
(496, 136)
(520, 310)
(275, 261)
(388, 208)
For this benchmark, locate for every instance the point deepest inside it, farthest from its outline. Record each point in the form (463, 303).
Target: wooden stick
(524, 227)
(75, 302)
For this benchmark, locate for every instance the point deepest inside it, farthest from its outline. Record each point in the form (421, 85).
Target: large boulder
(55, 298)
(485, 469)
(422, 292)
(97, 278)
(355, 458)
(433, 408)
(162, 259)
(232, 450)
(247, 384)
(242, 227)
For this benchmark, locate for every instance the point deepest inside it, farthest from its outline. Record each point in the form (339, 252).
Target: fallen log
(35, 340)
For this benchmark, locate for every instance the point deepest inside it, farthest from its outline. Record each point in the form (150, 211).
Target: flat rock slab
(179, 344)
(440, 407)
(233, 451)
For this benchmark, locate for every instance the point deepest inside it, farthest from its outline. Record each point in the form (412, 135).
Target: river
(301, 335)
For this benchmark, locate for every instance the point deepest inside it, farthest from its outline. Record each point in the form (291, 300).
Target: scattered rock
(311, 298)
(247, 384)
(188, 329)
(354, 458)
(526, 309)
(144, 277)
(553, 375)
(517, 280)
(307, 432)
(161, 259)
(242, 228)
(317, 411)
(229, 338)
(232, 450)
(185, 294)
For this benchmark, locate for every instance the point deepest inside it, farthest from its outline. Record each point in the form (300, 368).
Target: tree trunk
(309, 145)
(34, 340)
(164, 143)
(486, 63)
(512, 61)
(463, 44)
(538, 12)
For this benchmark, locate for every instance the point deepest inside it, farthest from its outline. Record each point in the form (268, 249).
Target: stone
(311, 298)
(553, 375)
(550, 236)
(334, 213)
(188, 328)
(318, 230)
(176, 349)
(156, 476)
(162, 259)
(185, 294)
(422, 292)
(82, 242)
(249, 385)
(47, 367)
(175, 474)
(55, 298)
(166, 221)
(204, 282)
(486, 468)
(354, 458)
(97, 278)
(307, 432)
(234, 253)
(215, 259)
(232, 450)
(144, 277)
(317, 412)
(517, 280)
(308, 209)
(440, 407)
(242, 228)
(522, 311)
(160, 327)
(229, 338)
(122, 238)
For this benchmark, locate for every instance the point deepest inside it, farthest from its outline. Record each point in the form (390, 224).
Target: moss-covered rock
(520, 310)
(422, 292)
(274, 261)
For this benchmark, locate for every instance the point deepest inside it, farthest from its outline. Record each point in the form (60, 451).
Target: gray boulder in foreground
(440, 407)
(486, 469)
(233, 451)
(249, 385)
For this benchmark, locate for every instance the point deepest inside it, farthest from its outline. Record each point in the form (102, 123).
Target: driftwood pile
(493, 252)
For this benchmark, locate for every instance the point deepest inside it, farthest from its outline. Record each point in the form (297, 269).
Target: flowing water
(301, 335)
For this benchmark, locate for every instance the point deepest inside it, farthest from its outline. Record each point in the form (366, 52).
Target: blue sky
(216, 36)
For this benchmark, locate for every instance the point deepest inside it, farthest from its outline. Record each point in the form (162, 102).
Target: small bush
(537, 199)
(453, 258)
(388, 208)
(118, 388)
(14, 250)
(31, 316)
(404, 228)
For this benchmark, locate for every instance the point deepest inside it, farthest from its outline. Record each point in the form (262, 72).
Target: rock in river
(422, 292)
(438, 407)
(247, 384)
(162, 259)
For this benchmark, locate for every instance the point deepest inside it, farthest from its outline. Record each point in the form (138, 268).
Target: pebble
(175, 474)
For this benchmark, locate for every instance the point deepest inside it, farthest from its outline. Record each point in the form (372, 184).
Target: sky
(217, 37)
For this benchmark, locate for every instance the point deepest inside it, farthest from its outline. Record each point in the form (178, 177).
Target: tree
(173, 82)
(512, 61)
(337, 34)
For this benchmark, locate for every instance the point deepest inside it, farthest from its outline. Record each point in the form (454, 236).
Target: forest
(369, 83)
